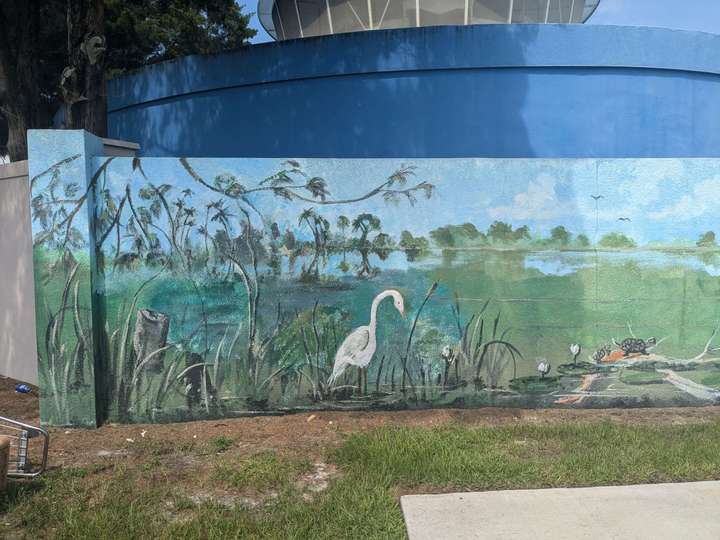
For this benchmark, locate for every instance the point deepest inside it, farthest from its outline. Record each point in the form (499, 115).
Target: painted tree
(160, 224)
(365, 224)
(451, 236)
(707, 240)
(382, 245)
(443, 237)
(320, 229)
(582, 241)
(500, 232)
(521, 234)
(560, 236)
(616, 240)
(343, 223)
(413, 246)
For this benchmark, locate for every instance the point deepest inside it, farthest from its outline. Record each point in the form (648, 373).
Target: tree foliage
(142, 32)
(57, 53)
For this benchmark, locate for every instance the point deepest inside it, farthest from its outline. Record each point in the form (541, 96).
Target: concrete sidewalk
(652, 512)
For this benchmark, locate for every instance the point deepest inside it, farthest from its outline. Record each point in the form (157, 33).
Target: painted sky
(701, 15)
(666, 200)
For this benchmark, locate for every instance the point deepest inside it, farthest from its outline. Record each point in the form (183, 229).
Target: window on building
(394, 13)
(565, 11)
(489, 11)
(349, 15)
(277, 23)
(314, 17)
(438, 12)
(289, 18)
(529, 11)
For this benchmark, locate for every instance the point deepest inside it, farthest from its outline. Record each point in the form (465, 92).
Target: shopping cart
(28, 448)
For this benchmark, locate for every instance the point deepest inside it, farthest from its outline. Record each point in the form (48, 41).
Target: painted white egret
(359, 347)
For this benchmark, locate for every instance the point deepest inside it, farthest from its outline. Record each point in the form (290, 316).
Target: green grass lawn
(153, 497)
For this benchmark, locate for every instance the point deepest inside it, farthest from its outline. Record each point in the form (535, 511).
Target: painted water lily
(447, 354)
(575, 350)
(543, 368)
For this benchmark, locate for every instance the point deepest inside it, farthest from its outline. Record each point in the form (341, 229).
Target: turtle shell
(633, 345)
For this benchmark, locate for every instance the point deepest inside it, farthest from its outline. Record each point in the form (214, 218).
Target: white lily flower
(543, 367)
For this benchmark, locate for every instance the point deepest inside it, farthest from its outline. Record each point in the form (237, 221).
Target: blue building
(432, 78)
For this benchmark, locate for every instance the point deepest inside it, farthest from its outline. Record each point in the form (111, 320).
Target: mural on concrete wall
(234, 286)
(61, 261)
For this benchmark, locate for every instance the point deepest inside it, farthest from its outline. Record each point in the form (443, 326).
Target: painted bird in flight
(597, 197)
(624, 219)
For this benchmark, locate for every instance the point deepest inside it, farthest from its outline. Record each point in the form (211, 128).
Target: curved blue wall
(482, 91)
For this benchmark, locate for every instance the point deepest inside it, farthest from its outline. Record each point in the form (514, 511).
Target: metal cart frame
(20, 434)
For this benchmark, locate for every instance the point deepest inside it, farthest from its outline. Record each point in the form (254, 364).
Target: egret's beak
(403, 314)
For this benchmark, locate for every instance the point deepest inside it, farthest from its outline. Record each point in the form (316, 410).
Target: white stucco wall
(18, 353)
(18, 345)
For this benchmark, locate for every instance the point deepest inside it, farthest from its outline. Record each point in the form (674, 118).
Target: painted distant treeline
(502, 235)
(363, 235)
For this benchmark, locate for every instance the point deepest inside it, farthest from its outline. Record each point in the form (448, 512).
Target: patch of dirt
(227, 500)
(23, 407)
(318, 479)
(307, 435)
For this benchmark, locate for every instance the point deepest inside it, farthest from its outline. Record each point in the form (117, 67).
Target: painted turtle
(635, 345)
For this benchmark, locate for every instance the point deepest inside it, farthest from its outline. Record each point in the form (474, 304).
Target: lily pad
(581, 368)
(646, 365)
(631, 376)
(706, 377)
(535, 385)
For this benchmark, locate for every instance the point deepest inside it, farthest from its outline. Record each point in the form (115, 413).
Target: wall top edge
(16, 169)
(418, 49)
(120, 144)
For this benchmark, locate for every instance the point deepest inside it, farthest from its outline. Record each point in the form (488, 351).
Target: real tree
(56, 54)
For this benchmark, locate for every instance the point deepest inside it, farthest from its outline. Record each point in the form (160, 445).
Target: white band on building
(290, 19)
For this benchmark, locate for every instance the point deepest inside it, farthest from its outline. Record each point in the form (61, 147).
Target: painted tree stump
(151, 330)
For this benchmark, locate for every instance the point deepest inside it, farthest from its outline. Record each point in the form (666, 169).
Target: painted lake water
(546, 300)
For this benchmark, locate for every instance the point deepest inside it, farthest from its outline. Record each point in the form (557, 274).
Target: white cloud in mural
(650, 181)
(639, 187)
(539, 202)
(701, 199)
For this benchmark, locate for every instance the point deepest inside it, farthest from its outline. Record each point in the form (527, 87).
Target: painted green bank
(173, 289)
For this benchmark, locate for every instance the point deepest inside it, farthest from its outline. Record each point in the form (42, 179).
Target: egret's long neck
(373, 310)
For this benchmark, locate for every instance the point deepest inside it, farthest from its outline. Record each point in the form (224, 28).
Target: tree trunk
(85, 100)
(26, 100)
(17, 129)
(22, 103)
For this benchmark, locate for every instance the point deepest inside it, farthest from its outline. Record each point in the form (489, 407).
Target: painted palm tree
(365, 224)
(359, 347)
(343, 222)
(320, 228)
